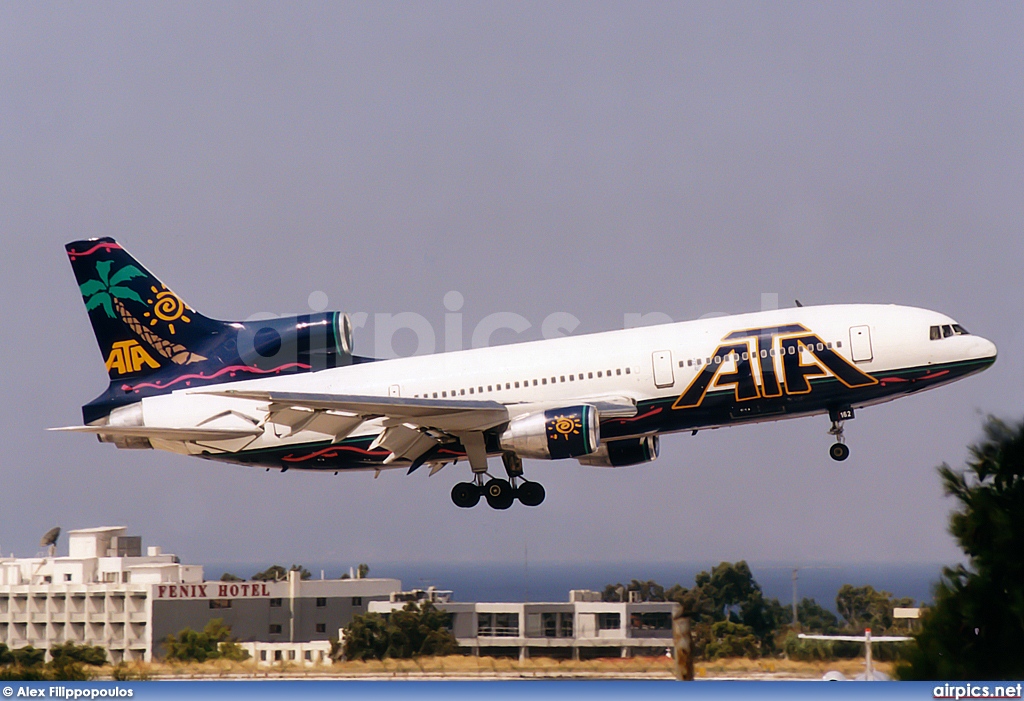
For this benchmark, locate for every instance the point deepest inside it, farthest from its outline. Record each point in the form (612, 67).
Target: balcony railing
(498, 631)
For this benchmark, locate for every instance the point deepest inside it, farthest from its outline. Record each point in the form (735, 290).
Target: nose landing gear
(839, 451)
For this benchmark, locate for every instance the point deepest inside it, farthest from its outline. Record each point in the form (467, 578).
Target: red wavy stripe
(652, 412)
(105, 246)
(933, 375)
(201, 376)
(332, 452)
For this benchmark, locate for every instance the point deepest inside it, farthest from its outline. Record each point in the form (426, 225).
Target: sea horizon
(552, 581)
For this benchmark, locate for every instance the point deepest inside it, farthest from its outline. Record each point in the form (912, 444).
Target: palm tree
(108, 291)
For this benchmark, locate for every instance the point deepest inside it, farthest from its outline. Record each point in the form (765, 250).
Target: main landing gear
(499, 493)
(839, 451)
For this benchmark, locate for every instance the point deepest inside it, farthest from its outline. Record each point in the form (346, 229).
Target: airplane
(290, 392)
(870, 674)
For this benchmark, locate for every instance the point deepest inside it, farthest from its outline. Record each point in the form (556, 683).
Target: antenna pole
(796, 623)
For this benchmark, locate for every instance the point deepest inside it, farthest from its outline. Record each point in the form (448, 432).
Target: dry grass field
(466, 667)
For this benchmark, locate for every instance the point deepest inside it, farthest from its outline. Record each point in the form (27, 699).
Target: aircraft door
(664, 376)
(860, 344)
(395, 391)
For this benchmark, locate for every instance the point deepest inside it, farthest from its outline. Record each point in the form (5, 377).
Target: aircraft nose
(984, 348)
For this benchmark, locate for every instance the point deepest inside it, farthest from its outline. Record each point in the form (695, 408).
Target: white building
(582, 626)
(106, 592)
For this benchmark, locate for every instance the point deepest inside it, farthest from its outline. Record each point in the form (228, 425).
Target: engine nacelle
(566, 432)
(628, 451)
(319, 340)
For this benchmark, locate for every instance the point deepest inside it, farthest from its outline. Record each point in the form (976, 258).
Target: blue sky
(599, 159)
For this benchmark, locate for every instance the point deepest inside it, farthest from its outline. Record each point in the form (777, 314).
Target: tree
(732, 593)
(367, 637)
(274, 573)
(69, 653)
(728, 592)
(864, 607)
(191, 646)
(29, 656)
(815, 618)
(69, 661)
(728, 584)
(416, 630)
(361, 571)
(277, 573)
(730, 639)
(68, 664)
(228, 577)
(648, 591)
(975, 629)
(797, 648)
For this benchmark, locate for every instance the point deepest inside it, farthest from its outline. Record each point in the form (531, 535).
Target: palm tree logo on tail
(108, 291)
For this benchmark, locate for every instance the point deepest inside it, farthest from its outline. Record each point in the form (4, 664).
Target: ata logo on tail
(128, 357)
(768, 362)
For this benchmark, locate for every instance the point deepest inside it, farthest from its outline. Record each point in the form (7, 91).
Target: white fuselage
(642, 364)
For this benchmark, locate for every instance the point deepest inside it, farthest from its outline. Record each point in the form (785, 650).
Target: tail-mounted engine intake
(319, 341)
(567, 432)
(629, 451)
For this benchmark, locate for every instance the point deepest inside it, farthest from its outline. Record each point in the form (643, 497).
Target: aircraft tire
(466, 495)
(499, 494)
(530, 493)
(839, 452)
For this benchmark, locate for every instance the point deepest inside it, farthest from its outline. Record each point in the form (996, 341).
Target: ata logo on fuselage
(770, 362)
(128, 356)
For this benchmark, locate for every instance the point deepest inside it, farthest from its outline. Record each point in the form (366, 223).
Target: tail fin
(141, 326)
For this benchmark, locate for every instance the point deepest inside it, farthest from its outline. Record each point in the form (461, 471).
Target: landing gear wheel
(466, 495)
(839, 452)
(499, 494)
(530, 493)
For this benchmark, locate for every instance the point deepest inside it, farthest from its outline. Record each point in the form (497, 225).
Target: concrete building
(312, 654)
(584, 626)
(106, 592)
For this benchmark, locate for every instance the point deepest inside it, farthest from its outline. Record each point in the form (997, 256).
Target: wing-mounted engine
(622, 453)
(321, 340)
(566, 432)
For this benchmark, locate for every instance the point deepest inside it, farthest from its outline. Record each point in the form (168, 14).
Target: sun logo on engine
(564, 427)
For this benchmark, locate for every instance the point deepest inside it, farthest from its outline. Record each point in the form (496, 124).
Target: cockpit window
(947, 330)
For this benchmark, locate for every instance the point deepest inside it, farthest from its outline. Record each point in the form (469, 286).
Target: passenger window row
(765, 353)
(498, 387)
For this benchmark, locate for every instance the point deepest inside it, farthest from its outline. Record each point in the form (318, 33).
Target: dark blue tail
(153, 343)
(141, 326)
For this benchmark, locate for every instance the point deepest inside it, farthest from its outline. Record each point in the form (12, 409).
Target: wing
(858, 638)
(169, 434)
(412, 427)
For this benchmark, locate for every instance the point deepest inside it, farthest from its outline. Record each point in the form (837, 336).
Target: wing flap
(443, 415)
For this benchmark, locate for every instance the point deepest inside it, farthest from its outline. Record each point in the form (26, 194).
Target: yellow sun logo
(167, 307)
(564, 427)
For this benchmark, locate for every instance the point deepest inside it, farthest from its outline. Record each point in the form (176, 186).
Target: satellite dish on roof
(50, 539)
